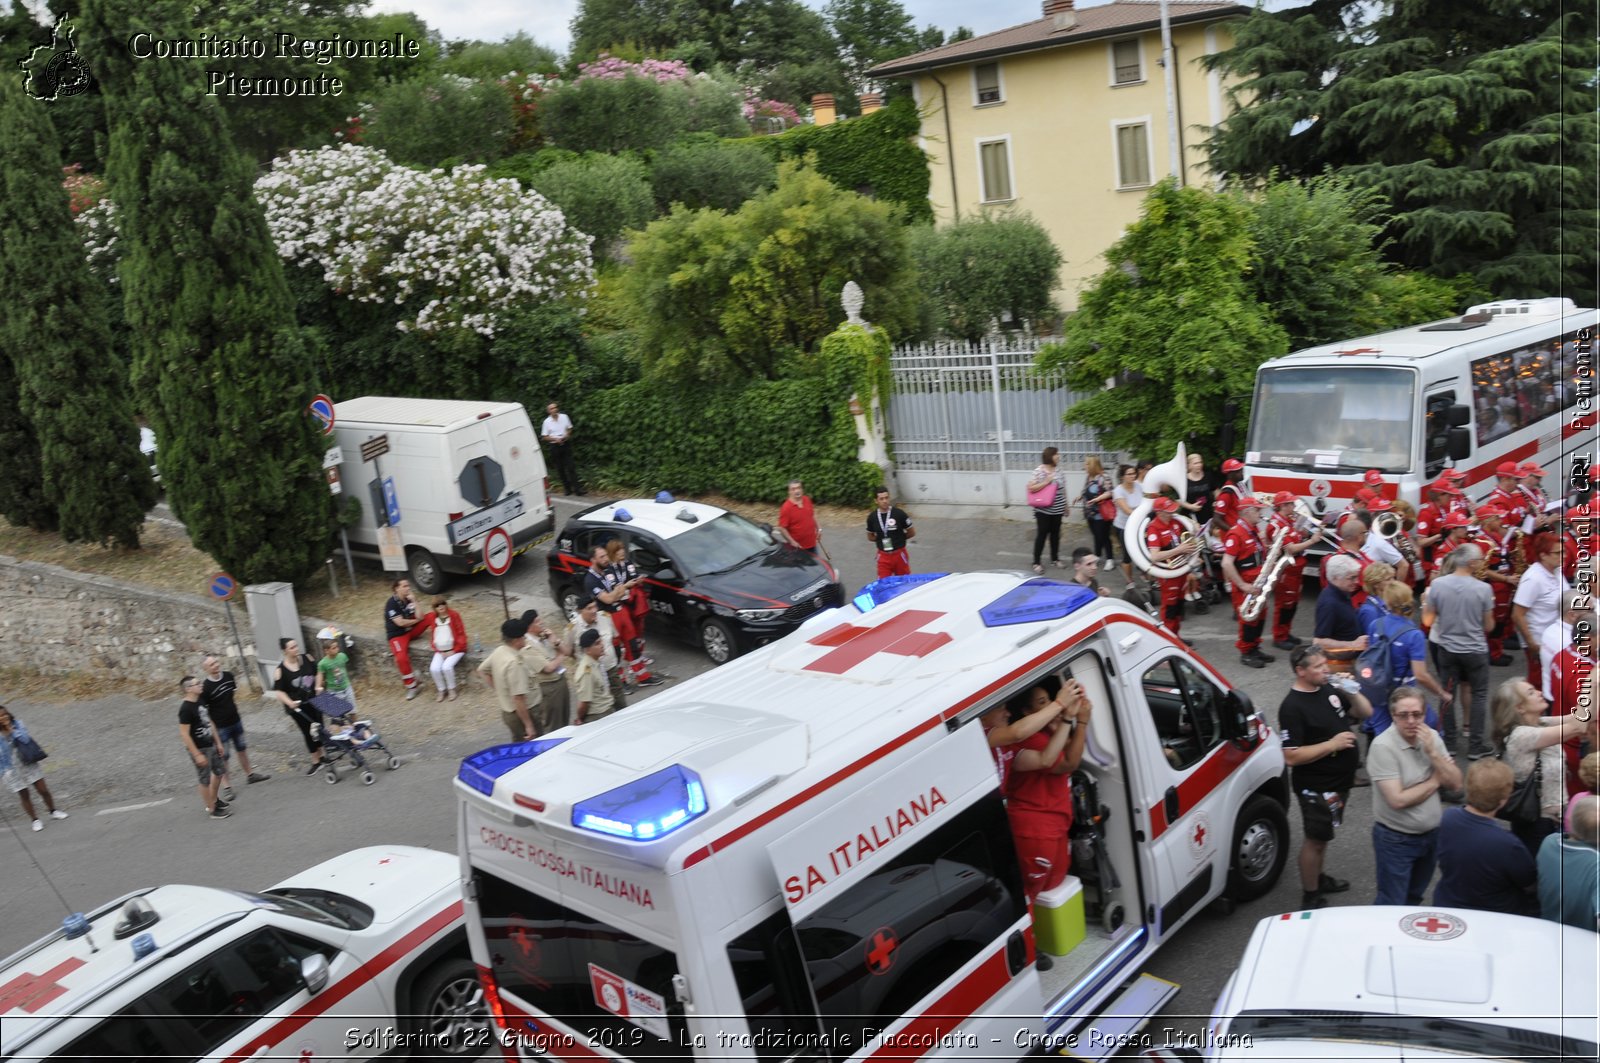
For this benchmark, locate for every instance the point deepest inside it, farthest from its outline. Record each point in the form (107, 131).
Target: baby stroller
(346, 738)
(1091, 861)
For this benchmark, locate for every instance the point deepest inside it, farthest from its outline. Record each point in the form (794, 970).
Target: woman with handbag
(294, 682)
(1098, 509)
(1047, 494)
(19, 767)
(1530, 743)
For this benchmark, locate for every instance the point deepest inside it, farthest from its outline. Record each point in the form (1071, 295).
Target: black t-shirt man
(394, 609)
(190, 715)
(1308, 718)
(888, 530)
(217, 696)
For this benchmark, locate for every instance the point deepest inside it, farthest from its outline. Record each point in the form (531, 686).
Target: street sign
(391, 550)
(374, 447)
(481, 481)
(222, 586)
(321, 408)
(497, 551)
(476, 523)
(391, 501)
(330, 469)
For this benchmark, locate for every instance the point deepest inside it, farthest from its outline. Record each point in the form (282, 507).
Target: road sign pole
(504, 601)
(238, 644)
(349, 562)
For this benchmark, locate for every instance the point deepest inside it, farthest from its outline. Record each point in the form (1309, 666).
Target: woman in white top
(1527, 738)
(447, 635)
(1127, 495)
(1537, 602)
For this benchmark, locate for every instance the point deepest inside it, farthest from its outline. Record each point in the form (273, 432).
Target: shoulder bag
(29, 751)
(1045, 496)
(1522, 807)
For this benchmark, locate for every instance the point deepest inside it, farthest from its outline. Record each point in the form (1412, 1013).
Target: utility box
(273, 616)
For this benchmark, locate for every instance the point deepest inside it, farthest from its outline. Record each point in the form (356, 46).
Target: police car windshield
(319, 906)
(1333, 418)
(1479, 1040)
(719, 545)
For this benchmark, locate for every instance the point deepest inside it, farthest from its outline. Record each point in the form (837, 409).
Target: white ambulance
(805, 855)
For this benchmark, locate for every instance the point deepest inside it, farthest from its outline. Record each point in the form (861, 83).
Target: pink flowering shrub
(608, 67)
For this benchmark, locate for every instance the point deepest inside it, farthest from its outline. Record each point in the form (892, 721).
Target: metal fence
(967, 421)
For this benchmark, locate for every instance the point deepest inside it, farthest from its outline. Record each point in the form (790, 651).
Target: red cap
(1530, 469)
(1247, 501)
(1379, 505)
(1490, 510)
(1232, 465)
(1444, 487)
(1509, 468)
(1283, 496)
(1452, 474)
(1374, 477)
(1456, 520)
(1164, 505)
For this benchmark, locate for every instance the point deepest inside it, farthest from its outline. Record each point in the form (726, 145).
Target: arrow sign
(222, 586)
(321, 408)
(497, 551)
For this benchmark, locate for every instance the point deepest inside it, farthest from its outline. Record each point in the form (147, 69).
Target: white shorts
(21, 776)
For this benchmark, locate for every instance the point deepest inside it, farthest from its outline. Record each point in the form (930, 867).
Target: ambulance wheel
(394, 762)
(1112, 918)
(1260, 849)
(426, 575)
(367, 778)
(718, 640)
(450, 1011)
(330, 776)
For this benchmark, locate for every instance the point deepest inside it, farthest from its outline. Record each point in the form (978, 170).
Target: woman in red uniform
(1039, 787)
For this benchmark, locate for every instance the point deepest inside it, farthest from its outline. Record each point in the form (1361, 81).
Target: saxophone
(1271, 569)
(1519, 559)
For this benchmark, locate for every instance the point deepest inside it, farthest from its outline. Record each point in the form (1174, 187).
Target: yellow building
(1066, 118)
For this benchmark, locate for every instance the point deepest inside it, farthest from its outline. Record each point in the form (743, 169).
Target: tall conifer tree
(93, 484)
(218, 361)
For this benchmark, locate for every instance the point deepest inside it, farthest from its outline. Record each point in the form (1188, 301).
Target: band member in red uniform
(1459, 503)
(1499, 545)
(1569, 677)
(1286, 593)
(1530, 487)
(1162, 540)
(1242, 555)
(1373, 480)
(1225, 513)
(1455, 534)
(1507, 496)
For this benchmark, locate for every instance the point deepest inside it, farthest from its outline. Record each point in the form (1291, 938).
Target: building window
(1133, 155)
(994, 168)
(986, 83)
(1127, 62)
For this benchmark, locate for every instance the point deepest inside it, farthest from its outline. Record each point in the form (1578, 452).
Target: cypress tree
(219, 365)
(93, 482)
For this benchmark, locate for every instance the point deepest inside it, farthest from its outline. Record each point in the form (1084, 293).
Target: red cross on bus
(901, 635)
(880, 950)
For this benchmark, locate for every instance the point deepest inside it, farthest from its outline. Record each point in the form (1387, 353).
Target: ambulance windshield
(1333, 418)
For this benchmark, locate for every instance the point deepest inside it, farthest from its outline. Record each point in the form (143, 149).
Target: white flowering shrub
(97, 227)
(453, 248)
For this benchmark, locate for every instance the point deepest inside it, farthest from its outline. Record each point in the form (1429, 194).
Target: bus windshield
(1334, 418)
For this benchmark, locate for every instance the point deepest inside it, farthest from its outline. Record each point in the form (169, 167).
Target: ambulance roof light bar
(645, 809)
(1034, 601)
(887, 589)
(480, 770)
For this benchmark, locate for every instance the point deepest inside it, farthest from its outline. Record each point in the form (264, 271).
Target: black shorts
(1322, 813)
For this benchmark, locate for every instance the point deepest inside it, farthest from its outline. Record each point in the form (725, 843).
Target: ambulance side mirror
(1238, 717)
(1458, 444)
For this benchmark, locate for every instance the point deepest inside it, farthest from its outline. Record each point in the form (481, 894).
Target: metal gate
(967, 422)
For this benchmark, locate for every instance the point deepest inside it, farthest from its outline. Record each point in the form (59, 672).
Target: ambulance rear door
(907, 912)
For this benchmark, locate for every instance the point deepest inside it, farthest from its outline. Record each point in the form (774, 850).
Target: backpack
(1374, 669)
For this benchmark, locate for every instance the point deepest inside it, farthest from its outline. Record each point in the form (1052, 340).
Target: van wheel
(426, 575)
(1260, 849)
(450, 1011)
(717, 639)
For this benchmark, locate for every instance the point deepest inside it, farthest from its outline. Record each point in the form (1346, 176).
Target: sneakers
(37, 825)
(1328, 884)
(56, 813)
(220, 812)
(222, 804)
(316, 766)
(1479, 754)
(411, 692)
(1255, 659)
(1038, 570)
(1312, 901)
(651, 681)
(226, 793)
(1285, 644)
(258, 776)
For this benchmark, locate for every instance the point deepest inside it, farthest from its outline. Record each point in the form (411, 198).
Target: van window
(1186, 708)
(563, 962)
(1513, 390)
(883, 944)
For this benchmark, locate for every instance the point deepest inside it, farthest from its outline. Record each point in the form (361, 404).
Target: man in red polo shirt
(797, 519)
(1507, 496)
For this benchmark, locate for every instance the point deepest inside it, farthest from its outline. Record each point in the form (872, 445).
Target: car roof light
(688, 517)
(622, 516)
(664, 497)
(1036, 600)
(645, 809)
(887, 589)
(480, 770)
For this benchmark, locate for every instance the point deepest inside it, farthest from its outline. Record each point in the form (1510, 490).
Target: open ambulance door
(907, 912)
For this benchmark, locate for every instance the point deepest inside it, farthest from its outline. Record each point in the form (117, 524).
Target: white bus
(1506, 381)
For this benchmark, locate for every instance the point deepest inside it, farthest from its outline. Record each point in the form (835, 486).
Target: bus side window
(1436, 430)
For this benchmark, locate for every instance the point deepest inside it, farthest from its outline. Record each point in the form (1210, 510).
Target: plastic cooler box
(1058, 925)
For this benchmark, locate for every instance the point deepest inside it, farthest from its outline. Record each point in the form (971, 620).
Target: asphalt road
(136, 820)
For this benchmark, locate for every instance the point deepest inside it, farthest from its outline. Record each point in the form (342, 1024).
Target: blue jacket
(8, 752)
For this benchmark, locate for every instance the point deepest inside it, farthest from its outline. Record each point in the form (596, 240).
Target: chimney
(871, 101)
(822, 112)
(1061, 11)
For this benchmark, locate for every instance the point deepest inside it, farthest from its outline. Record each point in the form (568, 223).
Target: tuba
(1168, 474)
(1391, 526)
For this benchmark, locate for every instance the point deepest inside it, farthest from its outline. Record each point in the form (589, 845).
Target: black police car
(714, 578)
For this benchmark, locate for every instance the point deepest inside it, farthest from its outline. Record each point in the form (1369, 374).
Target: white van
(451, 470)
(805, 854)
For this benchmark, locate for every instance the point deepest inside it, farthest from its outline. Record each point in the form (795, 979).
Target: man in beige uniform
(591, 618)
(590, 688)
(507, 675)
(547, 665)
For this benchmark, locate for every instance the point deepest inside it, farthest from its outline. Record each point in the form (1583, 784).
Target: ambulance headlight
(480, 770)
(646, 808)
(760, 614)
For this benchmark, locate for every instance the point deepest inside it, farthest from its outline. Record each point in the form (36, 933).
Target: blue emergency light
(1034, 601)
(887, 589)
(645, 809)
(480, 770)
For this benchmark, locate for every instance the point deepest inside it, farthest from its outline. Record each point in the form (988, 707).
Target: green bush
(986, 268)
(699, 170)
(520, 54)
(601, 195)
(636, 113)
(426, 122)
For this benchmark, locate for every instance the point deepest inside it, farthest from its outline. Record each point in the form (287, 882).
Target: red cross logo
(1433, 925)
(880, 950)
(901, 635)
(385, 860)
(1199, 833)
(30, 992)
(1359, 350)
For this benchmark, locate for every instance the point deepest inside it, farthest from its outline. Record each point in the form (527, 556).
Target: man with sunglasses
(1408, 765)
